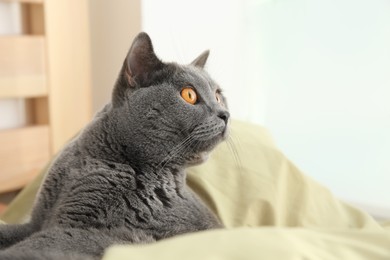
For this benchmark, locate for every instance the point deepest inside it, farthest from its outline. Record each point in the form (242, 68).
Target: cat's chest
(100, 200)
(163, 215)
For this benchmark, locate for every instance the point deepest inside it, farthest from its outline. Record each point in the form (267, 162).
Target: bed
(271, 210)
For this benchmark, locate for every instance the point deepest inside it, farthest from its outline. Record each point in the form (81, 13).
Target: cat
(122, 179)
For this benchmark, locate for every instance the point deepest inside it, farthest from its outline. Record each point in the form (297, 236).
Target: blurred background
(314, 73)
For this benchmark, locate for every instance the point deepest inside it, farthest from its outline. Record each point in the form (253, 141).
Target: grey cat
(122, 179)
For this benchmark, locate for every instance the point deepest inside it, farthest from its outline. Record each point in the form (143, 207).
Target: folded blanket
(263, 243)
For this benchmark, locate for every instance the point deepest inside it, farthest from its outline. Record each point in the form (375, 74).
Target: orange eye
(189, 95)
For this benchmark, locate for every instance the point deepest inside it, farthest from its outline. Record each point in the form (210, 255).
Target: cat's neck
(104, 146)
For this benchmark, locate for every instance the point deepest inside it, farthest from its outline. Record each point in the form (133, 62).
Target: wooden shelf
(22, 66)
(49, 67)
(23, 87)
(23, 153)
(24, 1)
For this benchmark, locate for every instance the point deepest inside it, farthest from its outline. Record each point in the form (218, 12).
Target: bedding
(270, 208)
(263, 243)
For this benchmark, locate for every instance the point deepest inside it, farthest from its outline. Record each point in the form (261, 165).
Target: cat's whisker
(183, 144)
(175, 151)
(173, 155)
(232, 146)
(196, 145)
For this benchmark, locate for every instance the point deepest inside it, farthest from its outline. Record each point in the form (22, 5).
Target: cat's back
(74, 160)
(73, 171)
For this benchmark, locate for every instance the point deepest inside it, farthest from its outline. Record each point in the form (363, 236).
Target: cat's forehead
(197, 77)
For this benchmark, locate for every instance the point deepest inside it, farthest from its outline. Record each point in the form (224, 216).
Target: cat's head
(166, 112)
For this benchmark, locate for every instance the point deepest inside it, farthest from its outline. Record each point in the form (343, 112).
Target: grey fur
(122, 179)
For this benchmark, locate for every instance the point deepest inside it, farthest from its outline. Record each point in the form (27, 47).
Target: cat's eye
(218, 97)
(189, 95)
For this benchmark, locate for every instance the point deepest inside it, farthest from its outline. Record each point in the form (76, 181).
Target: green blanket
(271, 211)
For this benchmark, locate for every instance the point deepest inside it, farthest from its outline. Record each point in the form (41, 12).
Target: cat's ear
(200, 61)
(141, 60)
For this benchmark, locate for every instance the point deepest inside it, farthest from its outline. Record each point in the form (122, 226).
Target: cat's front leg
(12, 234)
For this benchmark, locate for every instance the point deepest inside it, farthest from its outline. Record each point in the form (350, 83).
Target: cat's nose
(224, 115)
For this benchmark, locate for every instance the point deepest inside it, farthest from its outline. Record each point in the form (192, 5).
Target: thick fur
(122, 179)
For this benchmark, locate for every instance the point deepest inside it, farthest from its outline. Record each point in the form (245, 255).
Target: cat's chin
(198, 158)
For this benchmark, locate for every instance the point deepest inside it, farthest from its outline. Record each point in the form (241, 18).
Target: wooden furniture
(49, 67)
